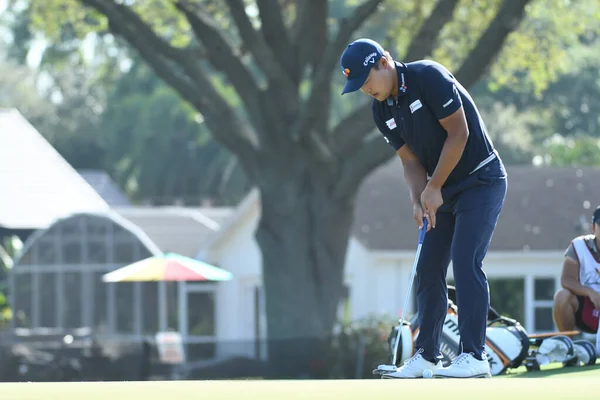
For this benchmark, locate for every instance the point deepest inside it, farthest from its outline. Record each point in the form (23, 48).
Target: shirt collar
(402, 87)
(401, 70)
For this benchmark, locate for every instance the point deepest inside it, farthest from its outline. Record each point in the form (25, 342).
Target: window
(124, 251)
(201, 313)
(47, 299)
(22, 307)
(150, 307)
(143, 252)
(71, 229)
(543, 319)
(76, 253)
(507, 296)
(97, 228)
(124, 304)
(201, 322)
(100, 306)
(97, 251)
(543, 289)
(73, 300)
(46, 251)
(72, 251)
(27, 258)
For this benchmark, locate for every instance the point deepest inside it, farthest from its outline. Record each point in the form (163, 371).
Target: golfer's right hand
(418, 215)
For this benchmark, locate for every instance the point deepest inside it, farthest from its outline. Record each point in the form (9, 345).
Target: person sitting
(577, 304)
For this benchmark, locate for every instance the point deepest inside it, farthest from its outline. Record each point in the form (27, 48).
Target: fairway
(579, 385)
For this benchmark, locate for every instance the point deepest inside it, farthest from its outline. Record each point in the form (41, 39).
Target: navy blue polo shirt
(427, 93)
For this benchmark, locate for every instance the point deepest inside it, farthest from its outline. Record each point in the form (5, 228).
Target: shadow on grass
(553, 371)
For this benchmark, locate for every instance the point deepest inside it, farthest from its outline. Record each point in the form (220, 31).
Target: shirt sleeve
(390, 131)
(440, 91)
(571, 253)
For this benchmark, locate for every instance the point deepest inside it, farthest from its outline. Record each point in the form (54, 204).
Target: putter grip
(423, 230)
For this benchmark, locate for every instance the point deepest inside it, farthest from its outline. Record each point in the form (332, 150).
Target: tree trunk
(303, 234)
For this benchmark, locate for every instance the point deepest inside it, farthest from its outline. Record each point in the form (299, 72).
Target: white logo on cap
(370, 59)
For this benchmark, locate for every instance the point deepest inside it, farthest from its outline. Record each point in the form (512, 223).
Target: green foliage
(537, 53)
(362, 343)
(545, 81)
(559, 126)
(533, 56)
(86, 86)
(18, 88)
(507, 296)
(460, 36)
(62, 20)
(568, 152)
(159, 148)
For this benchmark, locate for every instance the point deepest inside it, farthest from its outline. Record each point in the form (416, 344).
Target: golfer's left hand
(431, 200)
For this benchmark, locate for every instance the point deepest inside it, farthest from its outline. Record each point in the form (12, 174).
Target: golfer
(456, 180)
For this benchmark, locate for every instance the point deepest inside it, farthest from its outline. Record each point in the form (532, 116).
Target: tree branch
(353, 129)
(423, 42)
(262, 54)
(310, 32)
(222, 56)
(130, 17)
(275, 33)
(490, 43)
(225, 126)
(154, 49)
(316, 106)
(372, 153)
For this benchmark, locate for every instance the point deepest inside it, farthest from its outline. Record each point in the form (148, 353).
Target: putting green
(581, 385)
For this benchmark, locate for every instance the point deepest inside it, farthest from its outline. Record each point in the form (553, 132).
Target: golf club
(383, 368)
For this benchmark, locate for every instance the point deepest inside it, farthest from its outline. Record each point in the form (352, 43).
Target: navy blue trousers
(464, 227)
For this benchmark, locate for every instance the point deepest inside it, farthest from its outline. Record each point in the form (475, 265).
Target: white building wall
(238, 253)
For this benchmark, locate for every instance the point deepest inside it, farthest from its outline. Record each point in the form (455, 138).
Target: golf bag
(506, 346)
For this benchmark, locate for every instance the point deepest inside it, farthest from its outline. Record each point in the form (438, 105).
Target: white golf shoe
(414, 368)
(465, 366)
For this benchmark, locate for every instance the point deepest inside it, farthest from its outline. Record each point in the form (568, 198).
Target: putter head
(384, 369)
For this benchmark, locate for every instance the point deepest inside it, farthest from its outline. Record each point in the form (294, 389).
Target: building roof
(105, 187)
(544, 209)
(181, 230)
(38, 184)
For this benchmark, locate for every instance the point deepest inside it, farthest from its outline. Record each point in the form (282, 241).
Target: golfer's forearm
(416, 179)
(451, 154)
(575, 287)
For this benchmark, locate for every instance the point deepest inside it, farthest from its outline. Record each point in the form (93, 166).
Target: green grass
(554, 370)
(559, 383)
(447, 389)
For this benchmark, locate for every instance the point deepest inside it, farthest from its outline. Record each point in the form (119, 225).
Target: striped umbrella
(168, 267)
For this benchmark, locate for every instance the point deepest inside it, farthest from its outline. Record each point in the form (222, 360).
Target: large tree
(273, 103)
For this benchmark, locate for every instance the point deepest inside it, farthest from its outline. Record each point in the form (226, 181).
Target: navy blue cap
(596, 216)
(357, 60)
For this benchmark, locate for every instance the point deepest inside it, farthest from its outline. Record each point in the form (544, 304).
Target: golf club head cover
(585, 352)
(555, 349)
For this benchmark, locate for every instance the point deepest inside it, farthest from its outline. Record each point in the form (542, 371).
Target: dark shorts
(586, 316)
